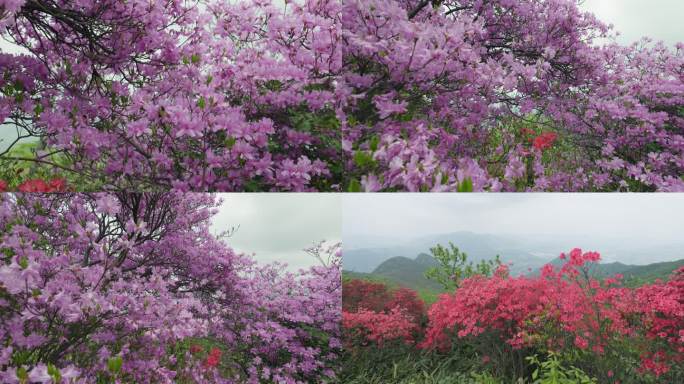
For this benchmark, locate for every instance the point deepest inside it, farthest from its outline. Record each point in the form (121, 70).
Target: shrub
(598, 322)
(484, 95)
(133, 288)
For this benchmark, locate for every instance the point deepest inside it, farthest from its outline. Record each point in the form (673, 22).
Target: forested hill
(410, 273)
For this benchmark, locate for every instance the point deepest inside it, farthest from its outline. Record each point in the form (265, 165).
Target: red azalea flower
(57, 185)
(3, 186)
(35, 185)
(544, 141)
(213, 358)
(38, 185)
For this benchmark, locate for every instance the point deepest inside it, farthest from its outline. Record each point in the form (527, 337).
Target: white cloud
(278, 226)
(634, 19)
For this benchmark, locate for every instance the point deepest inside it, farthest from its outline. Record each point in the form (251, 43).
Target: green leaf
(195, 58)
(114, 364)
(374, 142)
(19, 86)
(230, 142)
(363, 159)
(23, 262)
(354, 186)
(22, 375)
(38, 109)
(202, 103)
(445, 178)
(54, 373)
(466, 185)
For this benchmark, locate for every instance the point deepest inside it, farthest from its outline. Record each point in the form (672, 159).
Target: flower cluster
(112, 285)
(289, 323)
(564, 309)
(438, 90)
(38, 185)
(213, 359)
(210, 96)
(312, 95)
(544, 141)
(372, 313)
(379, 327)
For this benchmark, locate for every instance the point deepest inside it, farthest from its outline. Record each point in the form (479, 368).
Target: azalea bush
(366, 326)
(563, 324)
(340, 95)
(378, 297)
(37, 185)
(133, 288)
(373, 313)
(609, 331)
(504, 96)
(202, 95)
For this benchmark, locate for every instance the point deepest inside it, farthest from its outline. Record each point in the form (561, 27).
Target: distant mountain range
(633, 274)
(410, 272)
(477, 246)
(525, 253)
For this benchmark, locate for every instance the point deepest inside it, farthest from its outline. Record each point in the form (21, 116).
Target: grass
(400, 364)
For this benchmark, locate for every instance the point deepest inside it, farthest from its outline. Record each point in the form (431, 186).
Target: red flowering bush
(213, 359)
(378, 327)
(483, 304)
(409, 301)
(661, 306)
(372, 313)
(373, 296)
(544, 141)
(364, 294)
(38, 185)
(540, 141)
(566, 310)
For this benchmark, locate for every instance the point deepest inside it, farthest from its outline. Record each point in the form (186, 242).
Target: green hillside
(410, 273)
(643, 274)
(404, 272)
(633, 275)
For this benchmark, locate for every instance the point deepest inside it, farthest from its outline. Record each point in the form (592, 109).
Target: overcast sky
(278, 226)
(638, 219)
(658, 19)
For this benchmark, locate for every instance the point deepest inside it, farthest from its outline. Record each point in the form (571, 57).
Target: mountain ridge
(410, 272)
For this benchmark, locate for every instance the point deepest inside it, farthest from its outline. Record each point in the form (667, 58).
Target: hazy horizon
(623, 227)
